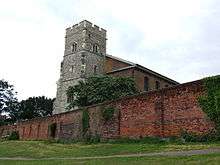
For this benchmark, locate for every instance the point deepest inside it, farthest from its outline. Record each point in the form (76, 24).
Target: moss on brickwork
(210, 103)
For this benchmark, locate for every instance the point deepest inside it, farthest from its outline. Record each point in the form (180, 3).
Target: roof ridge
(120, 59)
(140, 67)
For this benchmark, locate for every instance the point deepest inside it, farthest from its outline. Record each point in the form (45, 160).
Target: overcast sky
(177, 38)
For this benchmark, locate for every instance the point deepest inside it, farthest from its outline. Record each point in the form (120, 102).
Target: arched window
(146, 84)
(74, 47)
(95, 48)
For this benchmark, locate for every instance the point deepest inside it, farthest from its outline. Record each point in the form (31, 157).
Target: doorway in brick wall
(52, 130)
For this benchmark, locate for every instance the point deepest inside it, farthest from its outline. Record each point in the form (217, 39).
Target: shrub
(95, 139)
(89, 139)
(98, 89)
(208, 137)
(13, 135)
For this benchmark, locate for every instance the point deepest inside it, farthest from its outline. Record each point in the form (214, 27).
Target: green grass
(42, 149)
(212, 159)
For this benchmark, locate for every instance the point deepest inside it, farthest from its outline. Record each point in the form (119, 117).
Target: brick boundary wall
(162, 113)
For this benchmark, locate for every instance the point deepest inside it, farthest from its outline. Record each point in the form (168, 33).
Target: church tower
(84, 56)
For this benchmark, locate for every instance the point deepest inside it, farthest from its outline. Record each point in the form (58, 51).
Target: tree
(7, 96)
(35, 107)
(8, 101)
(99, 89)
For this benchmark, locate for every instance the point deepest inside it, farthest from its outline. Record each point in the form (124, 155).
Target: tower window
(166, 86)
(70, 98)
(95, 48)
(95, 69)
(146, 84)
(83, 55)
(83, 61)
(74, 47)
(157, 85)
(61, 66)
(71, 69)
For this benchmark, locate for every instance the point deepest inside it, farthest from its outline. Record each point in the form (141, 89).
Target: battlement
(88, 25)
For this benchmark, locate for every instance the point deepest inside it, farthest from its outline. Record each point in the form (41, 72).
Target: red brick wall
(123, 73)
(157, 113)
(166, 112)
(113, 64)
(138, 76)
(139, 80)
(69, 125)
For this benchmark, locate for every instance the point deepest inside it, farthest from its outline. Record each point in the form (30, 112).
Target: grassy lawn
(212, 159)
(42, 149)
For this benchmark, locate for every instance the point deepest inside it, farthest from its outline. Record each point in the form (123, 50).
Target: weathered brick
(162, 113)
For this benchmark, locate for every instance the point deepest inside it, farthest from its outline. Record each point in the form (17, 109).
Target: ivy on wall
(108, 113)
(210, 103)
(85, 121)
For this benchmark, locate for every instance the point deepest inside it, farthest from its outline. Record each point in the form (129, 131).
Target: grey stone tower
(84, 56)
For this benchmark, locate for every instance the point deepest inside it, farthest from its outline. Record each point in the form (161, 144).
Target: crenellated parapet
(86, 25)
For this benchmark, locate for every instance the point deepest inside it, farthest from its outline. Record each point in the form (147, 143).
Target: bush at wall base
(208, 137)
(13, 136)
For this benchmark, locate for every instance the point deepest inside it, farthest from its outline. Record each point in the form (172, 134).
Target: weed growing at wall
(210, 103)
(108, 113)
(85, 121)
(13, 136)
(191, 137)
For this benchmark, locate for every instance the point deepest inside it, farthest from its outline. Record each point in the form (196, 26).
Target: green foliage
(95, 139)
(147, 140)
(208, 137)
(35, 107)
(99, 89)
(8, 100)
(210, 103)
(108, 113)
(85, 122)
(13, 136)
(89, 139)
(1, 122)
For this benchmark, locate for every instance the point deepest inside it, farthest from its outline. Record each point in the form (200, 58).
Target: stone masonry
(85, 51)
